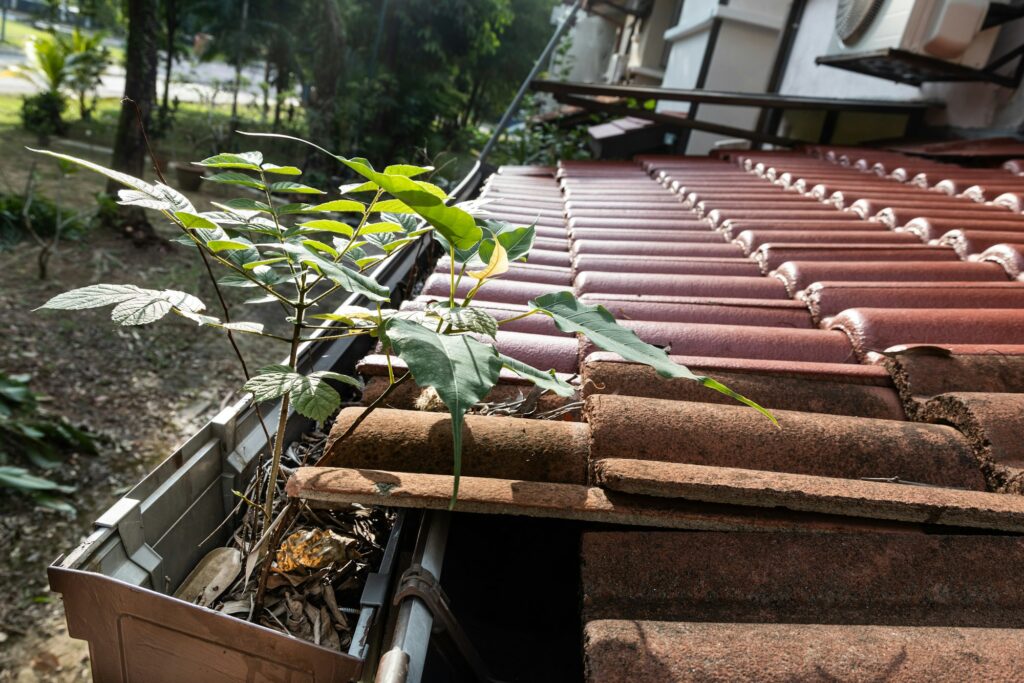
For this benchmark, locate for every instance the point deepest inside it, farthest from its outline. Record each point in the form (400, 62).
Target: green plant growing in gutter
(295, 255)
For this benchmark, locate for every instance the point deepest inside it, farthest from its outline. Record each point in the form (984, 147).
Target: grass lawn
(19, 31)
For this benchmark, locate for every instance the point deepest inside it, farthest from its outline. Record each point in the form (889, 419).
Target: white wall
(968, 105)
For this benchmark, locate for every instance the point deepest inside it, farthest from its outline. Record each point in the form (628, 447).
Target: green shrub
(43, 214)
(42, 114)
(30, 441)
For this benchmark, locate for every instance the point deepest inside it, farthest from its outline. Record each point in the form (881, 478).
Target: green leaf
(321, 247)
(719, 387)
(598, 325)
(338, 377)
(93, 296)
(248, 161)
(516, 241)
(123, 178)
(458, 227)
(461, 255)
(358, 187)
(340, 206)
(329, 226)
(544, 380)
(348, 279)
(233, 178)
(281, 170)
(375, 228)
(251, 328)
(153, 305)
(311, 395)
(468, 319)
(20, 478)
(407, 170)
(394, 206)
(294, 188)
(191, 221)
(133, 305)
(246, 204)
(227, 245)
(459, 368)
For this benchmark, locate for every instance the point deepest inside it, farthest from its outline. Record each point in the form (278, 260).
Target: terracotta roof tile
(632, 650)
(808, 443)
(890, 349)
(892, 579)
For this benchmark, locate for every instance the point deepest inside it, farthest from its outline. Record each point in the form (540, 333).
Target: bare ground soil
(143, 389)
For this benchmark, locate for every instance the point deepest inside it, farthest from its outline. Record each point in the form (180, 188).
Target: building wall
(971, 106)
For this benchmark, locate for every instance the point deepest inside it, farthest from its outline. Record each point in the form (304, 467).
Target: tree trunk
(238, 65)
(327, 69)
(171, 28)
(139, 87)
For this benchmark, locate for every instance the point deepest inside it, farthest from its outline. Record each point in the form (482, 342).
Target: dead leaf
(313, 549)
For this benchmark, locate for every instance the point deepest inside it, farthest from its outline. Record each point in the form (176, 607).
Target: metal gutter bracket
(418, 582)
(125, 517)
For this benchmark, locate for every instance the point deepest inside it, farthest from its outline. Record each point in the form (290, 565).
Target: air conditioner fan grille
(853, 18)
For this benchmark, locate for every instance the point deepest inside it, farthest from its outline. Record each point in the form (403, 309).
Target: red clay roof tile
(807, 443)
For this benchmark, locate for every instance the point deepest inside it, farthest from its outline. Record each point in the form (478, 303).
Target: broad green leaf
(294, 209)
(294, 188)
(227, 245)
(345, 277)
(461, 255)
(246, 162)
(246, 204)
(408, 170)
(497, 265)
(391, 246)
(199, 318)
(311, 395)
(234, 178)
(517, 243)
(340, 206)
(123, 178)
(252, 328)
(281, 170)
(265, 262)
(338, 377)
(320, 246)
(158, 196)
(20, 478)
(163, 198)
(430, 188)
(545, 380)
(375, 228)
(468, 319)
(355, 316)
(598, 325)
(153, 305)
(459, 368)
(328, 226)
(358, 187)
(93, 296)
(393, 206)
(191, 221)
(455, 224)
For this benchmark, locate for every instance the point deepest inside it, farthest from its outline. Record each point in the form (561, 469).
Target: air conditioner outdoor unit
(947, 30)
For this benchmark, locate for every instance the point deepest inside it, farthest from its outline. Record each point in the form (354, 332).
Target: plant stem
(282, 419)
(373, 406)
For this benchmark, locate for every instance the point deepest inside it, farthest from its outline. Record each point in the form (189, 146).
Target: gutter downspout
(545, 54)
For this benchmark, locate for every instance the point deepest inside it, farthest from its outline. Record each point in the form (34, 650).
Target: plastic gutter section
(144, 545)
